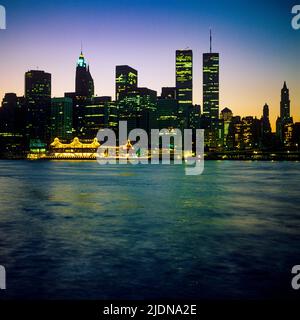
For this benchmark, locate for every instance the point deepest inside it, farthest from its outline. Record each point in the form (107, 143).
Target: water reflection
(80, 230)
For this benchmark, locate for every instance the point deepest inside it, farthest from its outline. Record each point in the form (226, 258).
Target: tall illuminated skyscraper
(84, 86)
(126, 80)
(61, 118)
(38, 97)
(184, 78)
(211, 95)
(84, 92)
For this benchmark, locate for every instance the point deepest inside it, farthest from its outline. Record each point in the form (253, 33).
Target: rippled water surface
(80, 230)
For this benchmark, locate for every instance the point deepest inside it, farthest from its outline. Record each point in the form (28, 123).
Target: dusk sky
(258, 48)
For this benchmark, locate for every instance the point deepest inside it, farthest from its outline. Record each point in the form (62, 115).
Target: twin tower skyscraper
(184, 89)
(211, 89)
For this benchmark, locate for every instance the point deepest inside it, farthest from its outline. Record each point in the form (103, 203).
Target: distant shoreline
(231, 156)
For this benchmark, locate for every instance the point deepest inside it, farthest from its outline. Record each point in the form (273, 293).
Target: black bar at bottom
(90, 310)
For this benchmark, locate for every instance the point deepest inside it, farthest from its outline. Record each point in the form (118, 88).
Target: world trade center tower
(211, 96)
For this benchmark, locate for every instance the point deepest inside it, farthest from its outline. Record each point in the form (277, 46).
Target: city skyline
(149, 157)
(33, 121)
(159, 91)
(252, 69)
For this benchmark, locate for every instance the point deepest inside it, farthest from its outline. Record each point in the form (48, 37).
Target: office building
(126, 80)
(38, 97)
(61, 118)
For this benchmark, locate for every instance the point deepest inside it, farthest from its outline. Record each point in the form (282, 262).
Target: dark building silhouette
(12, 125)
(61, 118)
(244, 134)
(138, 99)
(226, 116)
(168, 93)
(289, 134)
(126, 80)
(167, 109)
(13, 114)
(230, 140)
(29, 123)
(84, 82)
(285, 104)
(194, 117)
(110, 113)
(211, 97)
(84, 92)
(266, 132)
(279, 130)
(285, 121)
(71, 95)
(101, 114)
(138, 108)
(296, 135)
(38, 97)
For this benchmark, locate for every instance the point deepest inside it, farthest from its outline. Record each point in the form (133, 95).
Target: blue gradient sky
(258, 47)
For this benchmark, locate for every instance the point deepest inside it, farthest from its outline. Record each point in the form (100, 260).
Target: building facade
(38, 99)
(211, 99)
(61, 118)
(126, 80)
(184, 83)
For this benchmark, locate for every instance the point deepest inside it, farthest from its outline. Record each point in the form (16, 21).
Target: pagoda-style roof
(75, 144)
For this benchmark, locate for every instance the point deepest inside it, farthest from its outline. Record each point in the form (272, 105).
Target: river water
(81, 230)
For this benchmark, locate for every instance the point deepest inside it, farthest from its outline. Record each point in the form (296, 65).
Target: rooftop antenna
(81, 47)
(210, 41)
